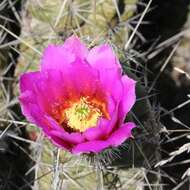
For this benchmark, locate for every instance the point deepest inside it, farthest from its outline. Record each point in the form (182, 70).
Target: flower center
(83, 114)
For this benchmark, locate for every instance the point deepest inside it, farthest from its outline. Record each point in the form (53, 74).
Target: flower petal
(121, 134)
(26, 99)
(91, 146)
(86, 78)
(56, 57)
(35, 115)
(104, 126)
(117, 138)
(43, 88)
(128, 98)
(27, 80)
(102, 57)
(75, 46)
(112, 83)
(73, 138)
(58, 131)
(60, 143)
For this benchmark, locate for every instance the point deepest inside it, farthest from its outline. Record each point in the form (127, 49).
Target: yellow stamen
(82, 115)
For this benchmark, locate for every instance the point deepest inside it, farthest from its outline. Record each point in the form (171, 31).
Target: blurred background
(152, 40)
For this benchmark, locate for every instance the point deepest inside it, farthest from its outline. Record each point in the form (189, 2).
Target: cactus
(42, 22)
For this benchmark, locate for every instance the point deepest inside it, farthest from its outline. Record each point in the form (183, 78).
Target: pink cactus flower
(79, 97)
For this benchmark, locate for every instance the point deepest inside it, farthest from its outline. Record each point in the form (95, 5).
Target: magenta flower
(79, 97)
